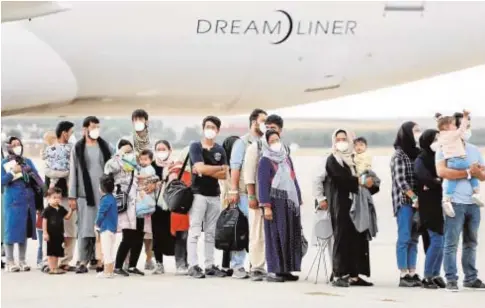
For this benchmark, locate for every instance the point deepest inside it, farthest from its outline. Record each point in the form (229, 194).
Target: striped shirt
(403, 179)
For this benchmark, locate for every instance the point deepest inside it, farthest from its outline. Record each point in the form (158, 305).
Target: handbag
(232, 230)
(177, 195)
(122, 197)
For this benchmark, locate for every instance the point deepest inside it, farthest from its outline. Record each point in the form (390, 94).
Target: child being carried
(452, 145)
(362, 159)
(57, 159)
(146, 175)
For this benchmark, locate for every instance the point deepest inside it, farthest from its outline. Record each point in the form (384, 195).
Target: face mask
(416, 138)
(72, 139)
(129, 157)
(17, 150)
(434, 146)
(275, 147)
(262, 128)
(162, 155)
(210, 134)
(139, 126)
(468, 135)
(94, 134)
(342, 146)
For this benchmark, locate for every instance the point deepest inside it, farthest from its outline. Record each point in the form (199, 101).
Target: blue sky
(446, 94)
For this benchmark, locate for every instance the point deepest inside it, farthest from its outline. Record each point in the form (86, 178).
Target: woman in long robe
(280, 197)
(22, 184)
(351, 248)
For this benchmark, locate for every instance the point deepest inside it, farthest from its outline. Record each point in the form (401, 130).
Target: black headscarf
(405, 140)
(427, 155)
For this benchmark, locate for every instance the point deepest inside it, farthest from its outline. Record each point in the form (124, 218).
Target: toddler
(53, 228)
(57, 158)
(451, 143)
(363, 161)
(107, 224)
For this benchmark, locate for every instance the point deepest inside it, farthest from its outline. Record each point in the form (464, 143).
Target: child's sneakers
(478, 201)
(448, 208)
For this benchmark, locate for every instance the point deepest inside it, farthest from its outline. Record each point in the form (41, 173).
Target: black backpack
(227, 146)
(177, 195)
(232, 230)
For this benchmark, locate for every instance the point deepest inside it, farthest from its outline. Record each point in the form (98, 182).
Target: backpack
(227, 145)
(177, 195)
(232, 230)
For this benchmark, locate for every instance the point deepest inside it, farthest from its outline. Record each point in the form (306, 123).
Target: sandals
(56, 271)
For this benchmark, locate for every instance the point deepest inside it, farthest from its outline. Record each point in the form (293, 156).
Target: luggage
(122, 197)
(232, 230)
(177, 195)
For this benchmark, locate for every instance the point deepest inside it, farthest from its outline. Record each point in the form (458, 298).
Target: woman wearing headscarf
(351, 248)
(405, 201)
(169, 229)
(22, 189)
(122, 167)
(280, 197)
(430, 195)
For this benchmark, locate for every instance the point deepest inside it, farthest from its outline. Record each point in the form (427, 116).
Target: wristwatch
(469, 175)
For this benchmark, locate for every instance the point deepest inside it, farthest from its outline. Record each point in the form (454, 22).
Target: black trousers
(226, 259)
(131, 242)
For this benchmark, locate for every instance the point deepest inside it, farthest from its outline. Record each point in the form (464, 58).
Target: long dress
(19, 207)
(351, 248)
(283, 233)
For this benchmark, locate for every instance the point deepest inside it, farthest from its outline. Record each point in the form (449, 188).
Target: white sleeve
(318, 179)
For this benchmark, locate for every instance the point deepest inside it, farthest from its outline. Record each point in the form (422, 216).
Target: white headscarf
(346, 156)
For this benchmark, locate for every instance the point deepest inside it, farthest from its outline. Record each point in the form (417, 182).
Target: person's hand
(46, 237)
(466, 113)
(150, 188)
(73, 204)
(195, 170)
(233, 197)
(253, 203)
(369, 182)
(17, 169)
(268, 213)
(475, 170)
(323, 205)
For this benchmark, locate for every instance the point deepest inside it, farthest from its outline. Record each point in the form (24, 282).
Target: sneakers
(196, 272)
(24, 267)
(257, 276)
(475, 285)
(417, 281)
(104, 275)
(448, 208)
(135, 271)
(289, 277)
(452, 286)
(478, 201)
(440, 282)
(82, 269)
(214, 271)
(428, 283)
(340, 283)
(159, 269)
(407, 282)
(272, 277)
(121, 272)
(13, 268)
(360, 283)
(150, 265)
(240, 273)
(181, 271)
(229, 271)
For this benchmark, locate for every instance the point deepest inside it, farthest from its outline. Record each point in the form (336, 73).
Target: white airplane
(107, 58)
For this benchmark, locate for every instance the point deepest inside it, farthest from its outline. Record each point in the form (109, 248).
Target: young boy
(56, 157)
(363, 161)
(107, 224)
(146, 173)
(53, 227)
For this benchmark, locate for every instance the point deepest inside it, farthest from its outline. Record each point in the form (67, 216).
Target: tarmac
(35, 289)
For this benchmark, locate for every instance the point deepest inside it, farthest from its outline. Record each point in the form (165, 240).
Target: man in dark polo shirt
(209, 166)
(64, 131)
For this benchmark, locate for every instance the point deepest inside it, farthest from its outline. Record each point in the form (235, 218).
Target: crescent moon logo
(290, 28)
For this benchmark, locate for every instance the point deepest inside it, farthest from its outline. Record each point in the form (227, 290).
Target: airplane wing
(20, 10)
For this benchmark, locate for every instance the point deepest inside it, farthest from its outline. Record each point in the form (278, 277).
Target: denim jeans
(459, 163)
(434, 255)
(238, 257)
(407, 245)
(40, 239)
(467, 219)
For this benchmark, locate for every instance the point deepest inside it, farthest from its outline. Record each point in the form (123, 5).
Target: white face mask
(17, 150)
(262, 128)
(275, 147)
(72, 139)
(129, 156)
(416, 138)
(162, 155)
(467, 135)
(139, 126)
(342, 146)
(434, 146)
(210, 134)
(94, 133)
